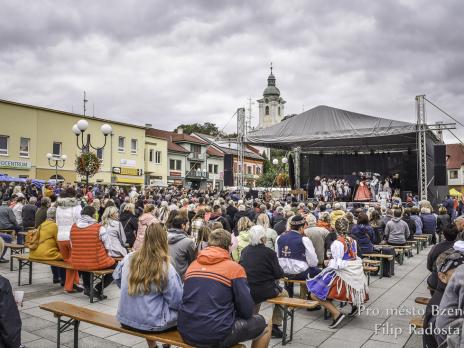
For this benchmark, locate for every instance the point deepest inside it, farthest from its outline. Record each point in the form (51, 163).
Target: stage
(326, 141)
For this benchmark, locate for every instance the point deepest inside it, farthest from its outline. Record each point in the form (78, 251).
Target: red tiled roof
(454, 155)
(213, 152)
(174, 147)
(187, 139)
(159, 133)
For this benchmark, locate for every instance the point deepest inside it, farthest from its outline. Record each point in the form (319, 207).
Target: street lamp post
(276, 161)
(57, 162)
(79, 129)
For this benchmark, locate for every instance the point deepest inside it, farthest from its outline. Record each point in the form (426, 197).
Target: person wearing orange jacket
(88, 252)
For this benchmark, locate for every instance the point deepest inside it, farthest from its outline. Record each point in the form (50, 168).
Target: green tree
(204, 128)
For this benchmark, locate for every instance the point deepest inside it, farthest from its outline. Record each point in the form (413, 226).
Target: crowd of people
(204, 261)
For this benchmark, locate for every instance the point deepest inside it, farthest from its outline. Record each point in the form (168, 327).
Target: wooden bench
(303, 286)
(96, 277)
(417, 322)
(422, 300)
(15, 249)
(368, 270)
(76, 314)
(379, 257)
(423, 240)
(414, 244)
(288, 306)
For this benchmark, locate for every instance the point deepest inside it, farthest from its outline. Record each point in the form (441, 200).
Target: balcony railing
(197, 174)
(195, 156)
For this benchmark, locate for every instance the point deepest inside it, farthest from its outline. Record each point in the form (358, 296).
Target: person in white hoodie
(112, 233)
(68, 212)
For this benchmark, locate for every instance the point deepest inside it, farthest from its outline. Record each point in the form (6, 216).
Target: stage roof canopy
(328, 129)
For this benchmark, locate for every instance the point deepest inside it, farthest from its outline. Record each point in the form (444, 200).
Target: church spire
(271, 79)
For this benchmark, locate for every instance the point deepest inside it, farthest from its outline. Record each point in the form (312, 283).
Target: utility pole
(85, 102)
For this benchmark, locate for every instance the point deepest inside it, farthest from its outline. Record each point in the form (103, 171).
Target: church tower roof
(271, 89)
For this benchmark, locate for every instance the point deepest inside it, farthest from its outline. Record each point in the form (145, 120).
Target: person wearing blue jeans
(7, 239)
(296, 253)
(7, 222)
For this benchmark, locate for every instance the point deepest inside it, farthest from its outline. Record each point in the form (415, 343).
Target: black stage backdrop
(403, 163)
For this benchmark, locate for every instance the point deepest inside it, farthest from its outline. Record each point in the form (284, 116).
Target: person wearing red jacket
(88, 252)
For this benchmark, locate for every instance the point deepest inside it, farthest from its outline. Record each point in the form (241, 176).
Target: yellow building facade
(156, 161)
(28, 133)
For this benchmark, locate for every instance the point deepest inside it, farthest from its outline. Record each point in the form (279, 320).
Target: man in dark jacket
(450, 233)
(28, 213)
(41, 213)
(181, 247)
(217, 308)
(10, 321)
(216, 216)
(129, 223)
(7, 222)
(263, 273)
(231, 210)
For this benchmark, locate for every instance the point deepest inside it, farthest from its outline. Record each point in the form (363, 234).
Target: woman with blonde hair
(271, 235)
(151, 289)
(145, 220)
(243, 227)
(202, 238)
(112, 233)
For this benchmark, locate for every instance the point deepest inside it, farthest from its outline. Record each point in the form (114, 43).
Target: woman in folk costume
(325, 190)
(343, 279)
(363, 194)
(317, 188)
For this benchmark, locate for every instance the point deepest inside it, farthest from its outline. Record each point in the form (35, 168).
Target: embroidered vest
(290, 246)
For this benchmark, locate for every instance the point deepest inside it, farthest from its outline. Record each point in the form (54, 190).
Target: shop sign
(128, 171)
(15, 164)
(127, 163)
(175, 174)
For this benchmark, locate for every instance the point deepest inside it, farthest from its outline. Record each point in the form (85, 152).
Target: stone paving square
(311, 330)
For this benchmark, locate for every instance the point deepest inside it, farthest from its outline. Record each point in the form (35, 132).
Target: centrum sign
(15, 164)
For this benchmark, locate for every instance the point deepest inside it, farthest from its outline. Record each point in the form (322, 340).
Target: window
(175, 164)
(24, 147)
(150, 155)
(210, 168)
(158, 157)
(100, 154)
(195, 148)
(216, 169)
(258, 170)
(453, 174)
(3, 145)
(121, 144)
(249, 169)
(133, 146)
(267, 110)
(56, 149)
(194, 166)
(278, 110)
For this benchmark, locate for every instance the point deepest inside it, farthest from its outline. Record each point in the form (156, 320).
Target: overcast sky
(172, 62)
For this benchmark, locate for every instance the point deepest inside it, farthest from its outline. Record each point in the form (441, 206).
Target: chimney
(180, 130)
(148, 125)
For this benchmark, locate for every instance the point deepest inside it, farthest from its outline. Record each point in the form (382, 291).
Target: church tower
(271, 106)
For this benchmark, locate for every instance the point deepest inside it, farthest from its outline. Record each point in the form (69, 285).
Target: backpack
(32, 239)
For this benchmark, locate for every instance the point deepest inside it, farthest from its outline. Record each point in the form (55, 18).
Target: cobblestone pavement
(390, 301)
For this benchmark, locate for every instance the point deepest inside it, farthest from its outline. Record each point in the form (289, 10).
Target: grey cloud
(170, 62)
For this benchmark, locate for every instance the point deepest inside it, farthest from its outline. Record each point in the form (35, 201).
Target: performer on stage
(363, 194)
(317, 188)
